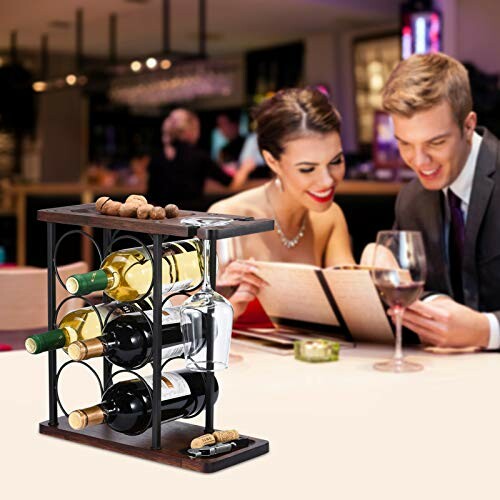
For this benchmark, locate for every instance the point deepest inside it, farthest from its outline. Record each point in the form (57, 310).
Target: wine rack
(165, 443)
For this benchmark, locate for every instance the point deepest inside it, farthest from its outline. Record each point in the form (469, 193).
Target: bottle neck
(48, 341)
(81, 419)
(112, 276)
(87, 349)
(83, 284)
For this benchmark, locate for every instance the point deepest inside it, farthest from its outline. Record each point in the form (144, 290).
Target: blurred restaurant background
(86, 85)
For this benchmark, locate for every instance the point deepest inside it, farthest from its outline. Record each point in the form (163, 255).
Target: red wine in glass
(400, 295)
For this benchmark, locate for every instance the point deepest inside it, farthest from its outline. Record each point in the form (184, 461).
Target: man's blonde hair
(422, 81)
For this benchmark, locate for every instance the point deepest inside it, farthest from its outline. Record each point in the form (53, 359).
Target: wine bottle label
(169, 316)
(173, 385)
(177, 286)
(174, 351)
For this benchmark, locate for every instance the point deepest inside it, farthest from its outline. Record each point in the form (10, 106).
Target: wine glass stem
(206, 266)
(398, 351)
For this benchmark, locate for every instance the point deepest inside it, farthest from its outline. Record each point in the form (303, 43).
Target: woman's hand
(384, 257)
(242, 277)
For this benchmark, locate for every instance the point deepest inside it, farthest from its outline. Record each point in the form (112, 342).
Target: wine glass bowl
(206, 325)
(398, 272)
(199, 314)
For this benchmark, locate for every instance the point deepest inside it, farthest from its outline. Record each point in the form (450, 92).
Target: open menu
(326, 300)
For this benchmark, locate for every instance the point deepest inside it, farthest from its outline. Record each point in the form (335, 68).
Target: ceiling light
(165, 64)
(135, 66)
(71, 79)
(184, 82)
(151, 63)
(39, 86)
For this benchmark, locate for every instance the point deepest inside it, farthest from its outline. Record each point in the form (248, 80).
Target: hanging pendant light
(169, 77)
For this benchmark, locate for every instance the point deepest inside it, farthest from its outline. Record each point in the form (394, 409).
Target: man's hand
(446, 323)
(241, 275)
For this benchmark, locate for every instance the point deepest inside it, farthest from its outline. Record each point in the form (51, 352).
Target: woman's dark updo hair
(293, 113)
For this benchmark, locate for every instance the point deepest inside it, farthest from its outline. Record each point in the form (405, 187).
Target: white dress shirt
(462, 187)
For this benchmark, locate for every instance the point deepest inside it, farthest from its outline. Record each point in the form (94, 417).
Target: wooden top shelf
(87, 215)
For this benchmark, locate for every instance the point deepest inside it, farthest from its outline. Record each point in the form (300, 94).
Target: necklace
(287, 243)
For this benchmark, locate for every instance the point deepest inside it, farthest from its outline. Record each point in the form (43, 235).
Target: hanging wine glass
(206, 324)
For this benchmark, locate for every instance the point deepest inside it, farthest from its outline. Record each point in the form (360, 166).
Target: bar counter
(336, 430)
(86, 193)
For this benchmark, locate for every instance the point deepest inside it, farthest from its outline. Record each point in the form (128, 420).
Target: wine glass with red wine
(398, 272)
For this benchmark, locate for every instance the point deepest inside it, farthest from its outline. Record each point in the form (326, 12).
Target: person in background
(454, 202)
(178, 174)
(252, 160)
(299, 136)
(228, 124)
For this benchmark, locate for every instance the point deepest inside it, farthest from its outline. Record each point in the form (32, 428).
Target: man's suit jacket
(422, 210)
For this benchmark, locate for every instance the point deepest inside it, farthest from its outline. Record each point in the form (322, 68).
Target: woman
(299, 136)
(178, 175)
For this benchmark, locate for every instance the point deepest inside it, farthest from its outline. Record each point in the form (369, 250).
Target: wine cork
(157, 213)
(204, 440)
(111, 208)
(129, 209)
(99, 204)
(144, 210)
(225, 436)
(171, 211)
(136, 198)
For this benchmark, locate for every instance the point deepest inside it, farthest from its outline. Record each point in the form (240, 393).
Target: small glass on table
(398, 272)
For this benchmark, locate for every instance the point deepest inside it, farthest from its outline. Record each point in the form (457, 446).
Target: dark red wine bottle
(127, 341)
(126, 406)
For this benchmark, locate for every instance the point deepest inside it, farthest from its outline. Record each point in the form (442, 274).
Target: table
(337, 430)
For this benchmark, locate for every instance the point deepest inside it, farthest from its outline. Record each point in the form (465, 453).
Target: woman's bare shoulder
(248, 202)
(330, 217)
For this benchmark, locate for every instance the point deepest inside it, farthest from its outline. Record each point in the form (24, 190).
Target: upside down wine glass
(203, 313)
(398, 272)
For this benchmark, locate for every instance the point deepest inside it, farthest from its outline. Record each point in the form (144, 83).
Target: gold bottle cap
(86, 349)
(79, 419)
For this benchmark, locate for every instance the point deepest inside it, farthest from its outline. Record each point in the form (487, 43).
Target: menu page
(359, 303)
(294, 293)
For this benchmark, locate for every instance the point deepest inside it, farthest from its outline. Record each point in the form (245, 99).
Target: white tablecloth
(336, 430)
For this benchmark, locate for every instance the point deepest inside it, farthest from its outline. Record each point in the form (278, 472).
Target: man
(455, 202)
(229, 126)
(179, 173)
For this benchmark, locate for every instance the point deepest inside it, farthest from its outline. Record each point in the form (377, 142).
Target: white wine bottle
(80, 324)
(126, 275)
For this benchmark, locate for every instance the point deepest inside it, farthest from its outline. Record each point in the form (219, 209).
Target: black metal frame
(109, 238)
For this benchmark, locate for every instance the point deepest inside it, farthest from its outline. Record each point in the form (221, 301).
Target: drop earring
(279, 184)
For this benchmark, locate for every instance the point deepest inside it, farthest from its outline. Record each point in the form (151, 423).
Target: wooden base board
(175, 440)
